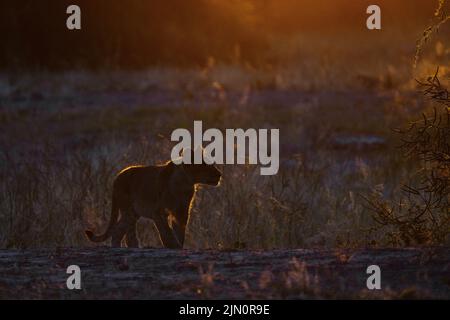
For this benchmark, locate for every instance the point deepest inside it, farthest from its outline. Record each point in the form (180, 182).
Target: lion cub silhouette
(162, 193)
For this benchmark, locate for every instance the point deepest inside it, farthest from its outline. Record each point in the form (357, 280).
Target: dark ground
(168, 274)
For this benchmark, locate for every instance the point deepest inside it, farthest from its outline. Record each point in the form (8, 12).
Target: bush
(423, 215)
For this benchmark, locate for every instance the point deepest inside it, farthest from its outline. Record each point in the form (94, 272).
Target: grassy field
(335, 98)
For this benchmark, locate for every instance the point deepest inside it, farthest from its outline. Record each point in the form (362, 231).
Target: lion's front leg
(166, 234)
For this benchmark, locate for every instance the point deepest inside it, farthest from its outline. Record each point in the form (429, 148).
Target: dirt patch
(169, 274)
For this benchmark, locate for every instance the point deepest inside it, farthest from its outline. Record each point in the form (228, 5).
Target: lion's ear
(199, 153)
(199, 150)
(187, 155)
(185, 151)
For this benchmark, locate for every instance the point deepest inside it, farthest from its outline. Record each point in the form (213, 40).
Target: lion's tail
(112, 222)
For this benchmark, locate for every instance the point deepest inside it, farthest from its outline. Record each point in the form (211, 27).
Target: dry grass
(65, 136)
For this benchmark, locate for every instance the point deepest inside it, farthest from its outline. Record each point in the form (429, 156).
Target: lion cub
(162, 193)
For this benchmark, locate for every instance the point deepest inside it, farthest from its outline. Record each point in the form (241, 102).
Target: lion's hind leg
(131, 236)
(125, 224)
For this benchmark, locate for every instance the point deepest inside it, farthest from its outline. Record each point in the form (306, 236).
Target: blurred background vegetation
(141, 33)
(78, 106)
